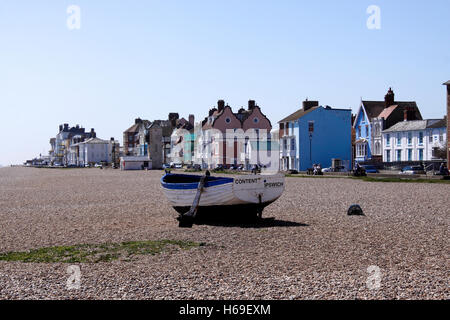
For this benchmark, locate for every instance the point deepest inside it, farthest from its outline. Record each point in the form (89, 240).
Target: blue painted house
(375, 116)
(315, 134)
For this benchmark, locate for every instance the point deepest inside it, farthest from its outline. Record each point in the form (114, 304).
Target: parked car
(370, 169)
(412, 170)
(98, 165)
(166, 166)
(327, 170)
(219, 167)
(359, 171)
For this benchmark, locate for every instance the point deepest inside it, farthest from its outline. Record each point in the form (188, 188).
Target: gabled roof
(387, 112)
(447, 83)
(297, 115)
(441, 123)
(377, 109)
(416, 125)
(133, 128)
(373, 108)
(95, 141)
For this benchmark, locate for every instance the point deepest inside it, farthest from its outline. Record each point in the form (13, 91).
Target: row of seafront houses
(386, 131)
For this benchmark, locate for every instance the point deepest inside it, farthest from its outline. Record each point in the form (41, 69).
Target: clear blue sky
(148, 58)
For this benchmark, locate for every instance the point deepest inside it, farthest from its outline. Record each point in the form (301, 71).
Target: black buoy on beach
(355, 210)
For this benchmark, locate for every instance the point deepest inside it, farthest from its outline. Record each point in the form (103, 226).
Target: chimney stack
(137, 120)
(389, 98)
(93, 134)
(173, 117)
(66, 126)
(309, 104)
(409, 114)
(60, 128)
(220, 105)
(251, 104)
(192, 119)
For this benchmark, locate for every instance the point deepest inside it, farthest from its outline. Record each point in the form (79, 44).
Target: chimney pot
(220, 105)
(309, 104)
(251, 104)
(389, 98)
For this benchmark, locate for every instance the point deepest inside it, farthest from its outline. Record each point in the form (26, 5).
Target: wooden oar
(187, 219)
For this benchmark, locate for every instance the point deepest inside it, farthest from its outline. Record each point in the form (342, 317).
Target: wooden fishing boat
(245, 194)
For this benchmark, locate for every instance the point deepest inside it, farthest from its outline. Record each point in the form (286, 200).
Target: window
(284, 144)
(227, 119)
(359, 131)
(311, 126)
(420, 154)
(388, 155)
(399, 155)
(377, 148)
(377, 129)
(409, 138)
(399, 139)
(292, 144)
(430, 139)
(255, 120)
(434, 152)
(441, 138)
(388, 140)
(421, 138)
(367, 131)
(409, 154)
(361, 150)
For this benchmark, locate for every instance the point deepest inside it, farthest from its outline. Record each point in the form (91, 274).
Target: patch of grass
(94, 253)
(287, 175)
(410, 180)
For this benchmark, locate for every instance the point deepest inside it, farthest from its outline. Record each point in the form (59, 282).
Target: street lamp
(311, 131)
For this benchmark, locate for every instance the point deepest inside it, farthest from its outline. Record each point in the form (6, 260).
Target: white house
(135, 163)
(91, 151)
(414, 140)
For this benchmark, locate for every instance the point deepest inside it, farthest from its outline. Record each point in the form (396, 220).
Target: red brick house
(224, 122)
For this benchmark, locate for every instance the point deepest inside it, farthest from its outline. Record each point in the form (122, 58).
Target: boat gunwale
(216, 181)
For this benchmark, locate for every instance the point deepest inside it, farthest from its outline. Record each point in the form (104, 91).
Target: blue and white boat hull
(249, 192)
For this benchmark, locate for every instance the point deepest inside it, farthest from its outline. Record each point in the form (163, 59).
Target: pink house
(227, 134)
